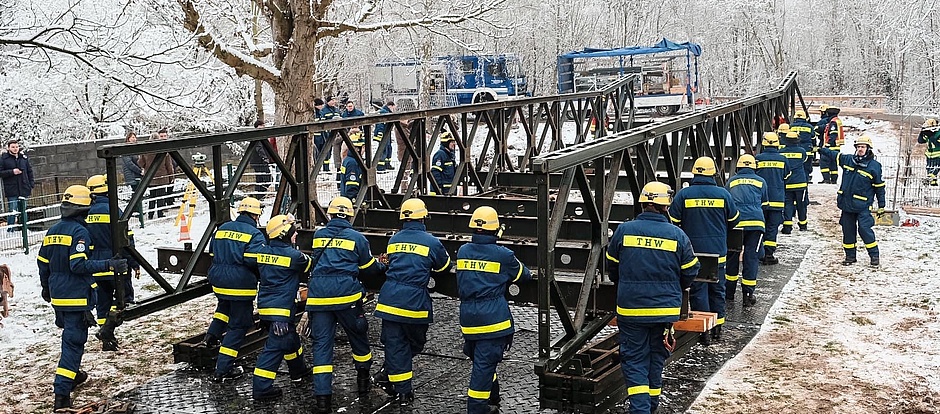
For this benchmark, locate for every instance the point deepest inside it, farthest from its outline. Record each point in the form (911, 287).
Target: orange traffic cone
(184, 230)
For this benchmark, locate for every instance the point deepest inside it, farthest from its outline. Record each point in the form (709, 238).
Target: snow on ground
(844, 339)
(840, 339)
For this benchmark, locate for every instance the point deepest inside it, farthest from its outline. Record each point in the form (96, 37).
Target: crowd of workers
(77, 270)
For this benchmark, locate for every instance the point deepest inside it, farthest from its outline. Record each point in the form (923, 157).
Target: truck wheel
(483, 97)
(666, 110)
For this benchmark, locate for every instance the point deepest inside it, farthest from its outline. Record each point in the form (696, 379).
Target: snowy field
(840, 339)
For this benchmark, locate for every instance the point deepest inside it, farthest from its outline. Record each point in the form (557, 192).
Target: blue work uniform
(98, 224)
(832, 138)
(351, 180)
(404, 302)
(281, 266)
(705, 212)
(384, 162)
(795, 185)
(772, 167)
(658, 265)
(749, 192)
(234, 278)
(65, 274)
(931, 137)
(443, 169)
(484, 272)
(334, 295)
(807, 132)
(861, 185)
(328, 113)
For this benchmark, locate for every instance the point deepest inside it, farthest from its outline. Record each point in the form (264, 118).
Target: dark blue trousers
(860, 223)
(808, 165)
(795, 199)
(106, 290)
(74, 335)
(748, 279)
(642, 356)
(710, 297)
(772, 220)
(320, 141)
(240, 320)
(828, 166)
(276, 348)
(323, 332)
(486, 355)
(402, 342)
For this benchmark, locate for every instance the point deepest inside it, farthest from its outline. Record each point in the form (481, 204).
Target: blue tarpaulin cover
(664, 45)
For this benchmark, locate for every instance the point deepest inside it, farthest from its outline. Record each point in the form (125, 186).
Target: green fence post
(21, 203)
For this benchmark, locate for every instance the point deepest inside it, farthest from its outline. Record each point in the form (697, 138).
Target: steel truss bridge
(561, 178)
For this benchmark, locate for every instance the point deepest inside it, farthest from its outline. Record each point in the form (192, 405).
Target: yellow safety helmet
(771, 139)
(793, 135)
(340, 206)
(485, 218)
(747, 161)
(97, 184)
(823, 107)
(249, 205)
(657, 193)
(279, 225)
(864, 140)
(413, 209)
(704, 166)
(832, 107)
(799, 114)
(78, 195)
(929, 122)
(783, 128)
(446, 136)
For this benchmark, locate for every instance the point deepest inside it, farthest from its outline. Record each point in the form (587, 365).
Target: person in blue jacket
(772, 167)
(331, 112)
(282, 267)
(831, 137)
(819, 129)
(65, 274)
(861, 186)
(384, 162)
(99, 226)
(749, 192)
(444, 165)
(705, 212)
(335, 295)
(484, 272)
(234, 278)
(930, 135)
(351, 173)
(404, 302)
(650, 262)
(806, 132)
(795, 184)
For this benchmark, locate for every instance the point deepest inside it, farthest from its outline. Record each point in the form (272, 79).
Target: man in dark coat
(17, 179)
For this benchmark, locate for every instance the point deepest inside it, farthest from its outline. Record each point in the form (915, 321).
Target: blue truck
(449, 80)
(668, 72)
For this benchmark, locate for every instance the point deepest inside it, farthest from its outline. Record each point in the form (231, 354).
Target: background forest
(76, 69)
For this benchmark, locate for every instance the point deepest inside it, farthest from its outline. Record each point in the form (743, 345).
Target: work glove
(280, 328)
(881, 212)
(303, 327)
(117, 264)
(45, 295)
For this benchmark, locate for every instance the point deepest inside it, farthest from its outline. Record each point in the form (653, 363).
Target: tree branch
(336, 28)
(242, 63)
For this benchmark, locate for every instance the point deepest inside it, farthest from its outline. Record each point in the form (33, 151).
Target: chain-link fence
(906, 182)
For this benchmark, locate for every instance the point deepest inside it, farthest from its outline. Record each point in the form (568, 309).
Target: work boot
(405, 400)
(272, 393)
(324, 404)
(62, 402)
(233, 374)
(704, 339)
(305, 376)
(787, 229)
(769, 259)
(804, 227)
(848, 261)
(716, 333)
(363, 382)
(750, 299)
(210, 341)
(380, 379)
(875, 261)
(493, 409)
(80, 377)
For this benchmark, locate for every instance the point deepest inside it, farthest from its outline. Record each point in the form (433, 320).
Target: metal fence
(906, 182)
